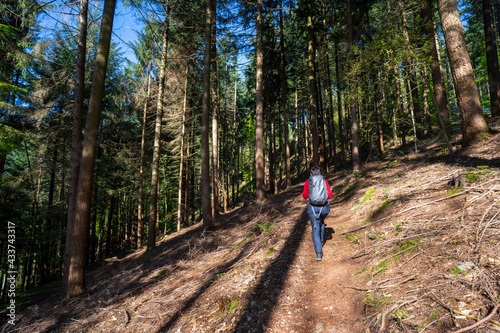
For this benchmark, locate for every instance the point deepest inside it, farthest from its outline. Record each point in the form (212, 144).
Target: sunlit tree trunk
(181, 162)
(205, 150)
(312, 85)
(140, 208)
(284, 100)
(356, 163)
(259, 134)
(339, 107)
(380, 134)
(153, 199)
(437, 76)
(76, 136)
(473, 122)
(77, 235)
(215, 126)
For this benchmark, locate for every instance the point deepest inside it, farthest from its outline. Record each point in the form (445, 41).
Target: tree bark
(215, 126)
(339, 107)
(205, 150)
(473, 122)
(356, 163)
(284, 87)
(76, 240)
(181, 163)
(491, 59)
(437, 76)
(153, 200)
(259, 134)
(76, 136)
(140, 208)
(312, 85)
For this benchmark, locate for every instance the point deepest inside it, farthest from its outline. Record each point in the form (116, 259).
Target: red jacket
(305, 192)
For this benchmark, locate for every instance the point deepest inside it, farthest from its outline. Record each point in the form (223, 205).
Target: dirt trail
(313, 299)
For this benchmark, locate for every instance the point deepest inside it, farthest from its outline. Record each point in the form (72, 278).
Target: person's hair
(315, 170)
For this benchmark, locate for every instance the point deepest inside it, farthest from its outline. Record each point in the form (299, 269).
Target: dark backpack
(317, 191)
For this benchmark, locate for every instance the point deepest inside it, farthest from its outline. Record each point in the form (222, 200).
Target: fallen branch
(484, 320)
(388, 311)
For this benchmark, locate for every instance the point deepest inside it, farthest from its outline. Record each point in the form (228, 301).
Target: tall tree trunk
(437, 76)
(77, 235)
(473, 122)
(205, 150)
(339, 107)
(491, 59)
(234, 144)
(312, 85)
(215, 126)
(153, 200)
(140, 208)
(187, 202)
(109, 226)
(411, 70)
(76, 136)
(284, 99)
(259, 134)
(356, 163)
(181, 163)
(297, 133)
(380, 134)
(329, 101)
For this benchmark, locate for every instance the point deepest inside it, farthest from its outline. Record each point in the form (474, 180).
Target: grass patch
(472, 177)
(353, 238)
(269, 251)
(379, 210)
(368, 195)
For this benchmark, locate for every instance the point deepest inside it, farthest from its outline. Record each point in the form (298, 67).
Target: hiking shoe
(319, 256)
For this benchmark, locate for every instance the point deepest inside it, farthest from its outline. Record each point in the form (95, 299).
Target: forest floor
(404, 252)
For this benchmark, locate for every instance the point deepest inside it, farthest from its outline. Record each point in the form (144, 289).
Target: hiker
(317, 190)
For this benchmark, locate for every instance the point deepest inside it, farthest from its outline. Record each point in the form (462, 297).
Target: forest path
(314, 299)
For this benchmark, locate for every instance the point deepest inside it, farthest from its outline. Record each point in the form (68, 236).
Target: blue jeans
(317, 216)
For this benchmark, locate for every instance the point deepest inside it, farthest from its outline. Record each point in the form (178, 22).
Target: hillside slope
(405, 252)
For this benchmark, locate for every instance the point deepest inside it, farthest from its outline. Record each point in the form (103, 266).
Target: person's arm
(305, 192)
(330, 194)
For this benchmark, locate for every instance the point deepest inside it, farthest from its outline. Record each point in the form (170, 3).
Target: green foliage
(400, 315)
(347, 188)
(368, 195)
(266, 228)
(364, 270)
(375, 302)
(270, 251)
(379, 210)
(455, 271)
(472, 177)
(399, 225)
(353, 238)
(381, 267)
(391, 164)
(10, 139)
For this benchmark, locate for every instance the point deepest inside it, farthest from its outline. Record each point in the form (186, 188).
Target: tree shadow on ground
(266, 294)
